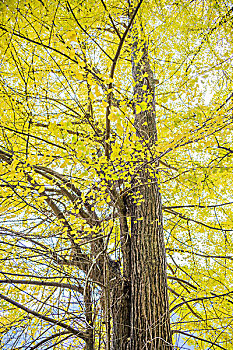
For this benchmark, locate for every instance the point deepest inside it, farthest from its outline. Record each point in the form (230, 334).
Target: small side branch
(198, 338)
(183, 217)
(80, 334)
(53, 336)
(109, 96)
(44, 283)
(199, 299)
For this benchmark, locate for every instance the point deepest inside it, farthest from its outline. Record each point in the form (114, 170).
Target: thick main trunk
(140, 308)
(139, 305)
(150, 323)
(150, 320)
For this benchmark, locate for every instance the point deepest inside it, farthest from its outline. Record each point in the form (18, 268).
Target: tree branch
(199, 299)
(196, 205)
(197, 222)
(32, 136)
(76, 20)
(189, 307)
(200, 254)
(198, 338)
(53, 336)
(80, 334)
(44, 171)
(110, 86)
(44, 283)
(182, 281)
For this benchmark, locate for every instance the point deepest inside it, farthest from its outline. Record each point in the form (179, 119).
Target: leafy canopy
(58, 188)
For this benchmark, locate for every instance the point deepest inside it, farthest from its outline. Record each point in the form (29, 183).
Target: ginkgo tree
(116, 174)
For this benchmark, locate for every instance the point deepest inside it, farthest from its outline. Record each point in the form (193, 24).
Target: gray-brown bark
(140, 307)
(121, 307)
(150, 324)
(150, 321)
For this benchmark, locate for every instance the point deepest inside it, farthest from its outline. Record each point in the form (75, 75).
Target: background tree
(83, 164)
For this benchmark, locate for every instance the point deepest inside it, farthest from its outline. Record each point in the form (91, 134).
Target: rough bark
(150, 324)
(121, 307)
(121, 292)
(140, 306)
(150, 320)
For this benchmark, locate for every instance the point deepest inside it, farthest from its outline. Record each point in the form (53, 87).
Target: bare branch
(53, 336)
(44, 283)
(200, 254)
(196, 206)
(181, 280)
(196, 221)
(198, 338)
(199, 299)
(72, 330)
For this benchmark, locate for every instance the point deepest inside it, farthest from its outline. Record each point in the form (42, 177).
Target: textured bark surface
(140, 308)
(150, 323)
(121, 307)
(121, 290)
(150, 319)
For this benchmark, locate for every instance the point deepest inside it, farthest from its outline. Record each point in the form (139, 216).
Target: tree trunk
(150, 319)
(121, 308)
(150, 324)
(140, 308)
